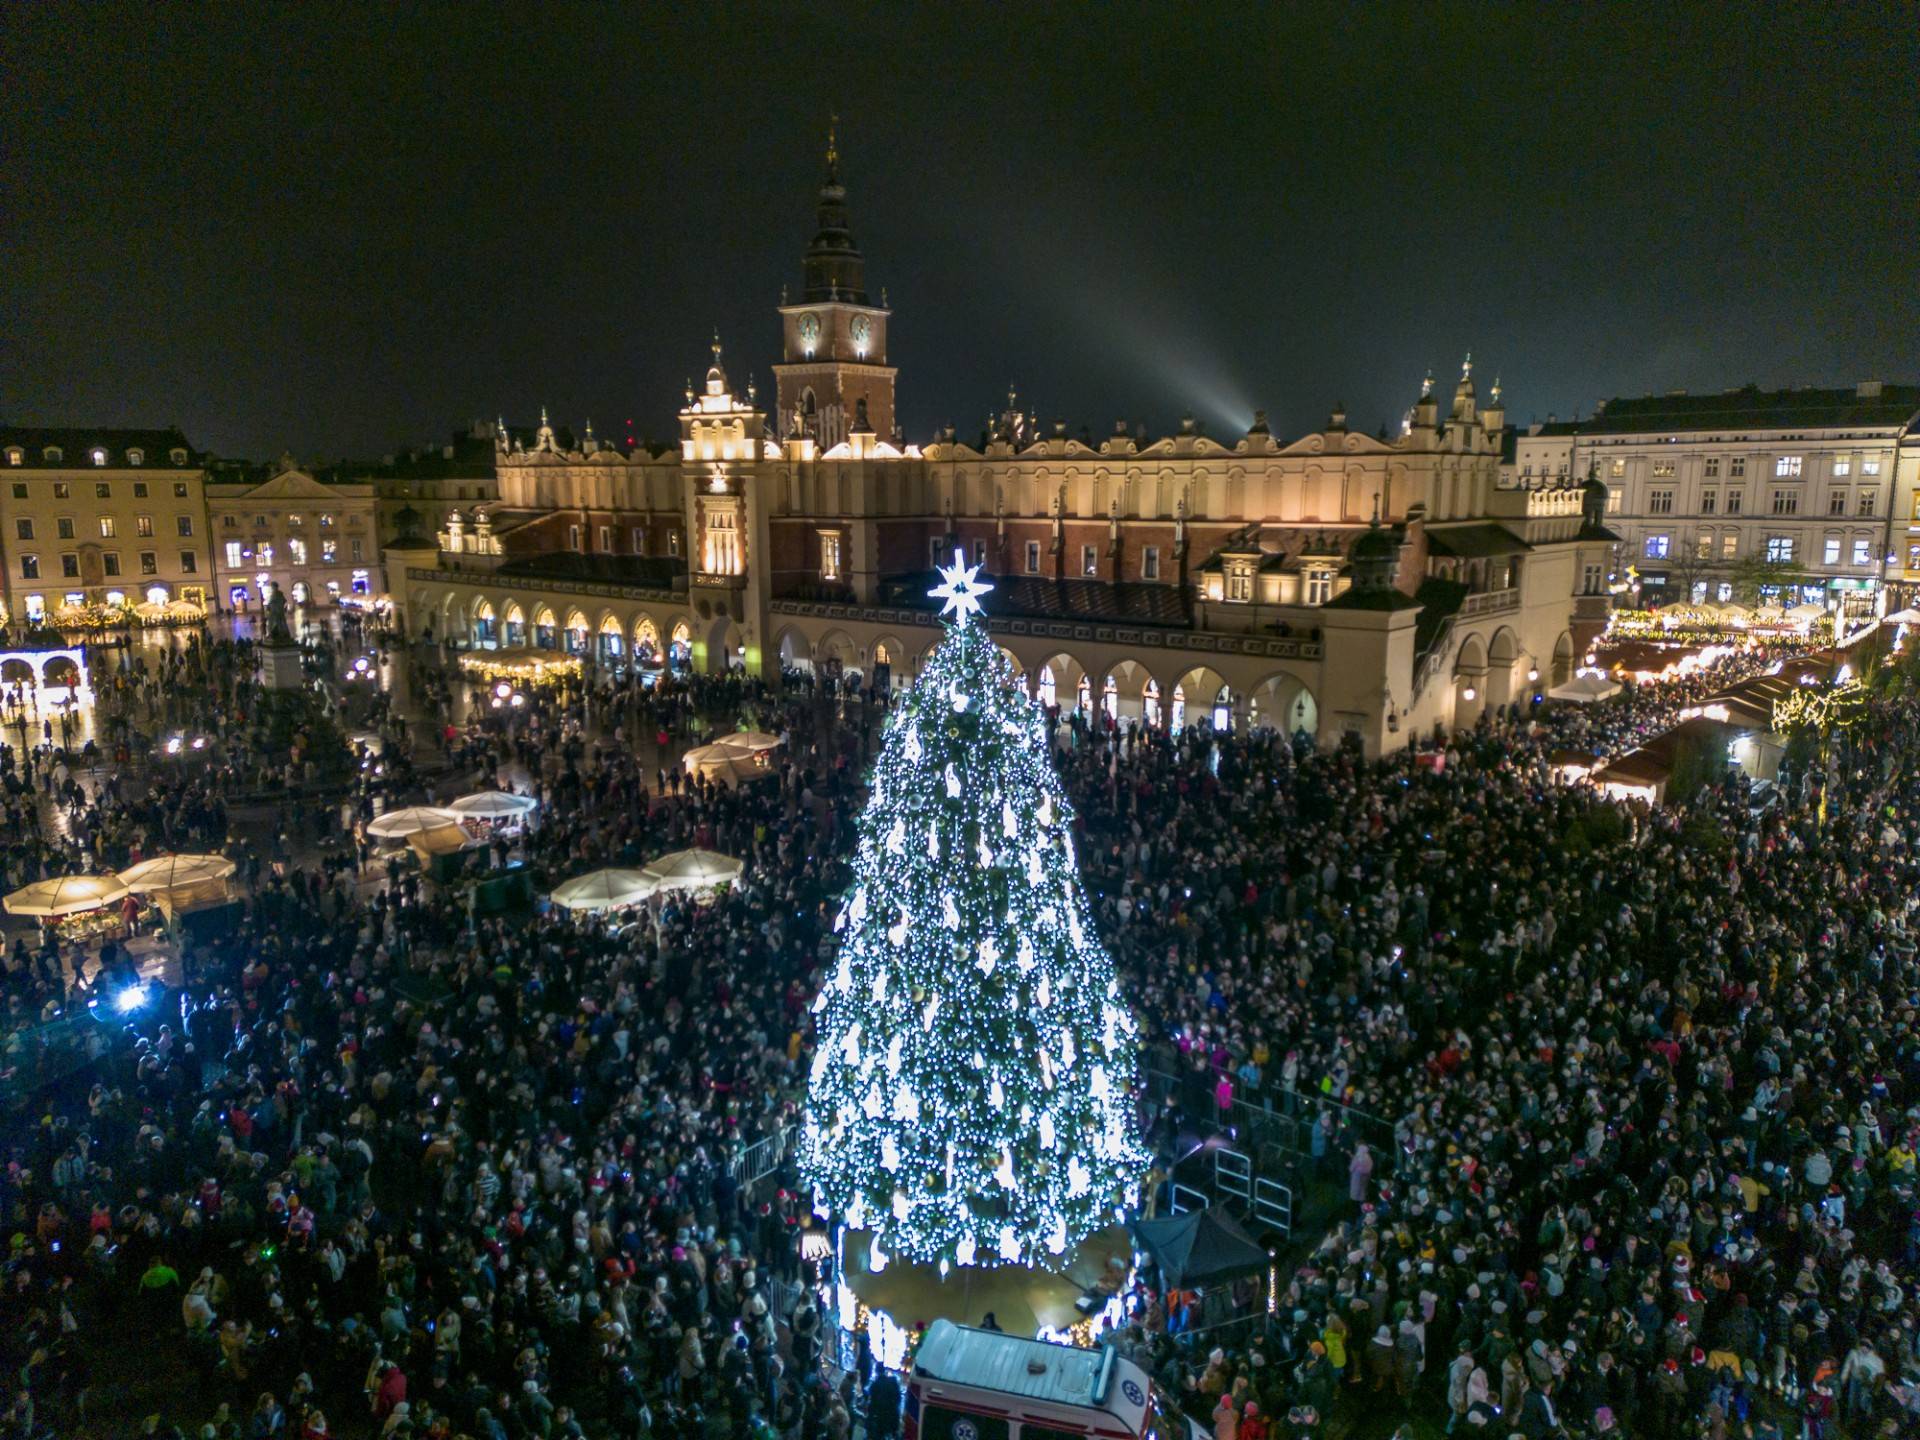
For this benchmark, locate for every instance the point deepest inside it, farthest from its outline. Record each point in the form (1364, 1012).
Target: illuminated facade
(101, 517)
(1171, 581)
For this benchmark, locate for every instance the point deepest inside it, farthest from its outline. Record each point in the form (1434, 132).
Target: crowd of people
(1619, 1109)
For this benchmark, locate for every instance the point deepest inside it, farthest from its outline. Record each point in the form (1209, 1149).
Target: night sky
(345, 231)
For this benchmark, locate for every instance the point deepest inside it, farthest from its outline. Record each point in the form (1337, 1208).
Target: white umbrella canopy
(170, 872)
(494, 804)
(693, 870)
(735, 769)
(752, 741)
(604, 890)
(1587, 685)
(65, 895)
(411, 820)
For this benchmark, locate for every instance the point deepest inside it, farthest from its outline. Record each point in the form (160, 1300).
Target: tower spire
(833, 144)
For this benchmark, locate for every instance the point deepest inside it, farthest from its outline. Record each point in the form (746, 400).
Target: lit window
(296, 552)
(1319, 586)
(1787, 465)
(137, 457)
(1830, 552)
(144, 525)
(1089, 560)
(16, 456)
(99, 457)
(106, 527)
(294, 522)
(830, 556)
(1729, 545)
(1842, 465)
(264, 554)
(326, 522)
(1663, 469)
(329, 551)
(1619, 468)
(235, 555)
(1239, 587)
(1863, 552)
(1780, 549)
(1657, 547)
(673, 543)
(62, 490)
(1869, 467)
(1703, 547)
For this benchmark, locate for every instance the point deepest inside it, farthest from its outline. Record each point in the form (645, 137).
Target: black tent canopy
(1201, 1247)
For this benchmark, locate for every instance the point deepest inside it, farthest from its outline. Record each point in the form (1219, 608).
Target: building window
(639, 539)
(353, 548)
(188, 565)
(1033, 557)
(294, 522)
(180, 486)
(29, 567)
(1862, 552)
(830, 556)
(1830, 552)
(1787, 465)
(177, 455)
(110, 562)
(1703, 547)
(62, 490)
(1869, 467)
(1736, 501)
(16, 456)
(229, 522)
(329, 551)
(103, 490)
(264, 555)
(106, 527)
(1737, 466)
(1913, 555)
(1660, 502)
(19, 490)
(1729, 545)
(1837, 503)
(673, 543)
(1712, 470)
(296, 552)
(1663, 469)
(1657, 547)
(139, 486)
(1619, 468)
(1089, 561)
(1780, 549)
(1842, 466)
(1786, 502)
(1709, 501)
(1866, 502)
(23, 529)
(1613, 501)
(1319, 586)
(149, 563)
(979, 552)
(1591, 580)
(63, 527)
(1150, 563)
(937, 551)
(326, 522)
(235, 556)
(606, 539)
(185, 524)
(144, 525)
(70, 567)
(53, 455)
(1239, 587)
(573, 537)
(99, 457)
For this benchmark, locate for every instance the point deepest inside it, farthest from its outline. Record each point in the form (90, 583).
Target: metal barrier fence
(760, 1159)
(1278, 1119)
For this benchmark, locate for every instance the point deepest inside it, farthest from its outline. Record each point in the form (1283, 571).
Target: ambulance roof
(1033, 1370)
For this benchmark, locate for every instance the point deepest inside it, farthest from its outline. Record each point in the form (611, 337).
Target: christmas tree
(970, 1096)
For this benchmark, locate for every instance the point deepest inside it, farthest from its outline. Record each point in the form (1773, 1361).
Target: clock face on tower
(861, 329)
(809, 329)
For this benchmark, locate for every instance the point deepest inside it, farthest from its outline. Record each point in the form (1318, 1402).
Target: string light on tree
(1006, 1133)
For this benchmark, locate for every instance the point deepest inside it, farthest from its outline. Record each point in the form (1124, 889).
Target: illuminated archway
(546, 629)
(514, 629)
(646, 640)
(577, 634)
(612, 638)
(1283, 702)
(486, 632)
(1199, 698)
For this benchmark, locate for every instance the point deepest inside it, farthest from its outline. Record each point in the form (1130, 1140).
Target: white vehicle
(969, 1384)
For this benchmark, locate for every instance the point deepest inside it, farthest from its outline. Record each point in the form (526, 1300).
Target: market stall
(693, 870)
(611, 889)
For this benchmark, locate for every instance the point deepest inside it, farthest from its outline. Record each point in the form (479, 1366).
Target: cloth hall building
(1332, 583)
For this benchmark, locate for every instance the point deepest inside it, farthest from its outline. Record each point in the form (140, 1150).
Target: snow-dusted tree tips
(970, 1096)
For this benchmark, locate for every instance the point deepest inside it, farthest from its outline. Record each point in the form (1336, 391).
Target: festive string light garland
(962, 1108)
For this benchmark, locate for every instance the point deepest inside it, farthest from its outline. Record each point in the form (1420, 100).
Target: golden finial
(833, 143)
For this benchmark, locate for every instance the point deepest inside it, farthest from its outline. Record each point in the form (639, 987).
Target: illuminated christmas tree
(970, 1097)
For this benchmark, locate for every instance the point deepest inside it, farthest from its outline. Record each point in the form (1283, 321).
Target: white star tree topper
(961, 592)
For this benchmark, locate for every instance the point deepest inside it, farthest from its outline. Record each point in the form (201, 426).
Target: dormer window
(16, 456)
(53, 455)
(99, 456)
(136, 457)
(177, 455)
(1239, 580)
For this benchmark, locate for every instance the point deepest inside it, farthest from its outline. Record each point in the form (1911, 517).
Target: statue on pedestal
(277, 631)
